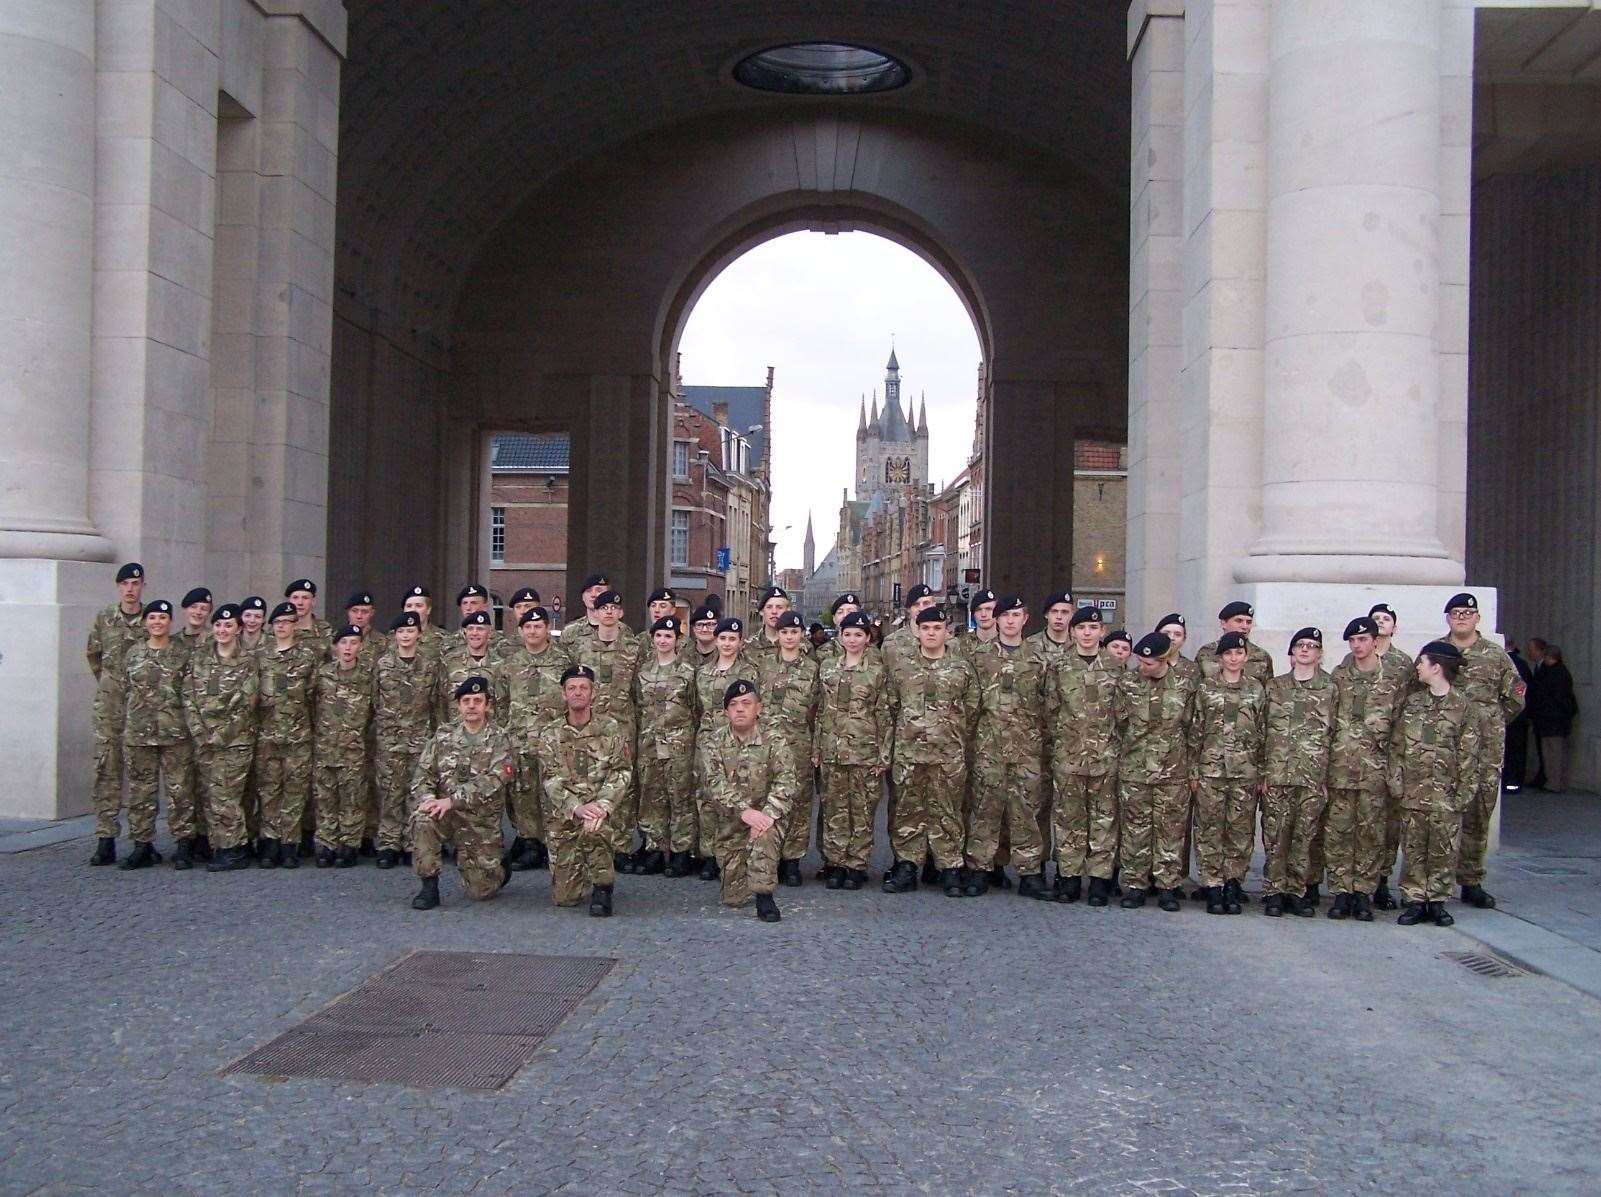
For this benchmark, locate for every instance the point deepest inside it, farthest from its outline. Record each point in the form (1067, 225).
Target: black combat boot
(767, 908)
(1133, 898)
(975, 883)
(1214, 900)
(325, 857)
(789, 873)
(1360, 910)
(1233, 896)
(600, 902)
(1068, 889)
(1382, 898)
(709, 870)
(1313, 894)
(1475, 895)
(510, 855)
(901, 879)
(539, 854)
(143, 856)
(345, 858)
(855, 878)
(229, 860)
(267, 854)
(1201, 893)
(428, 896)
(950, 880)
(623, 862)
(1273, 906)
(677, 865)
(1440, 915)
(202, 847)
(1414, 914)
(653, 863)
(930, 870)
(183, 856)
(1302, 907)
(105, 851)
(388, 858)
(1340, 908)
(289, 855)
(999, 879)
(833, 878)
(1099, 887)
(367, 848)
(1171, 900)
(1032, 885)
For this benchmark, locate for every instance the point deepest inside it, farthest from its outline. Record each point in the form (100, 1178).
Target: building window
(497, 535)
(680, 542)
(680, 459)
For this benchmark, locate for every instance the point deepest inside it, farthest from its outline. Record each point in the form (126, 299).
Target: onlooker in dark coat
(1552, 708)
(1515, 760)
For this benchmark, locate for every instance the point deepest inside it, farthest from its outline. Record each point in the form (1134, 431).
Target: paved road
(867, 1042)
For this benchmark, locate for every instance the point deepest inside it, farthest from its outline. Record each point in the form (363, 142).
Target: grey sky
(820, 309)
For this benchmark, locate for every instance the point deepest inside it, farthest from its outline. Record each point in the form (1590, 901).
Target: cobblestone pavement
(1549, 868)
(867, 1042)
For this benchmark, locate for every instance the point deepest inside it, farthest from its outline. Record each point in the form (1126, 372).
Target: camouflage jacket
(710, 684)
(1258, 662)
(1226, 728)
(1365, 710)
(1300, 725)
(343, 713)
(404, 698)
(585, 764)
(472, 769)
(319, 637)
(432, 641)
(581, 629)
(756, 775)
(373, 645)
(664, 696)
(456, 665)
(187, 643)
(789, 696)
(1051, 650)
(1489, 680)
(1436, 752)
(854, 723)
(284, 704)
(1011, 698)
(533, 684)
(219, 698)
(900, 644)
(615, 665)
(153, 692)
(1395, 659)
(111, 635)
(1080, 714)
(936, 707)
(689, 651)
(1151, 716)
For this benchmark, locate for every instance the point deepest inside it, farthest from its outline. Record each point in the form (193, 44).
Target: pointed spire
(861, 421)
(872, 425)
(892, 365)
(922, 414)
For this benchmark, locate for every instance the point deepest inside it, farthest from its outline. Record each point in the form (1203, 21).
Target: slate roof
(546, 453)
(746, 406)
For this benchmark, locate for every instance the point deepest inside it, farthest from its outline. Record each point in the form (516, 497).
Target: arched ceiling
(453, 111)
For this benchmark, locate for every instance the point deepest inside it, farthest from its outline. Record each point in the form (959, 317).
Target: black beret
(662, 594)
(730, 624)
(198, 595)
(574, 671)
(1059, 596)
(1085, 615)
(305, 584)
(1440, 650)
(703, 614)
(226, 611)
(359, 598)
(980, 597)
(856, 619)
(1307, 634)
(283, 611)
(524, 594)
(608, 598)
(348, 630)
(131, 572)
(158, 607)
(1172, 617)
(472, 685)
(714, 601)
(934, 614)
(1236, 608)
(791, 619)
(738, 689)
(1230, 640)
(1362, 623)
(532, 615)
(667, 623)
(1152, 644)
(419, 592)
(254, 603)
(848, 597)
(920, 591)
(1007, 602)
(770, 593)
(817, 627)
(1114, 635)
(471, 590)
(406, 619)
(1385, 608)
(1461, 600)
(595, 580)
(475, 619)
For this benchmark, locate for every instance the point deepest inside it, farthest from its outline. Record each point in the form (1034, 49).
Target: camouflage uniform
(854, 726)
(1053, 653)
(758, 774)
(373, 645)
(1080, 723)
(573, 634)
(403, 719)
(615, 665)
(1224, 745)
(1488, 681)
(789, 706)
(1152, 791)
(474, 770)
(111, 635)
(936, 705)
(1007, 744)
(533, 683)
(156, 742)
(319, 637)
(219, 708)
(1365, 708)
(664, 696)
(1295, 766)
(710, 683)
(283, 737)
(1401, 664)
(432, 641)
(578, 765)
(344, 700)
(1258, 662)
(456, 665)
(1438, 760)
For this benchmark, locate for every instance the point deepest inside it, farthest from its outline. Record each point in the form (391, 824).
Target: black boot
(289, 855)
(428, 896)
(1474, 895)
(1099, 891)
(833, 878)
(1340, 908)
(1032, 885)
(183, 856)
(600, 902)
(1382, 898)
(930, 871)
(678, 865)
(1233, 896)
(388, 858)
(950, 880)
(789, 873)
(1273, 906)
(1440, 915)
(1068, 889)
(709, 870)
(767, 909)
(1133, 898)
(1313, 895)
(228, 860)
(1171, 899)
(901, 879)
(1302, 907)
(267, 854)
(325, 857)
(202, 847)
(999, 879)
(623, 862)
(308, 844)
(345, 858)
(855, 878)
(652, 863)
(1414, 914)
(1214, 899)
(1360, 910)
(976, 883)
(105, 851)
(539, 854)
(368, 848)
(1201, 893)
(513, 851)
(143, 856)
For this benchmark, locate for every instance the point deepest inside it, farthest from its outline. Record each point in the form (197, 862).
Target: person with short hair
(1119, 645)
(252, 623)
(664, 697)
(1238, 617)
(712, 680)
(595, 585)
(700, 646)
(196, 629)
(854, 726)
(787, 675)
(156, 742)
(470, 656)
(1151, 709)
(533, 683)
(405, 688)
(613, 653)
(219, 706)
(1295, 767)
(309, 626)
(287, 666)
(751, 782)
(1224, 748)
(343, 692)
(586, 768)
(1552, 709)
(114, 630)
(1082, 734)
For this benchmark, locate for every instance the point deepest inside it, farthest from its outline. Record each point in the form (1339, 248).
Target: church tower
(892, 443)
(810, 549)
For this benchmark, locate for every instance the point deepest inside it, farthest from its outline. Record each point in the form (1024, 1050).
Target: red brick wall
(536, 534)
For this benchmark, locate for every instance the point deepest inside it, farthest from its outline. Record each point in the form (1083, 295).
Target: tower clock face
(900, 470)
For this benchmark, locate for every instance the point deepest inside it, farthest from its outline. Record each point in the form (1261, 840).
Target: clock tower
(892, 445)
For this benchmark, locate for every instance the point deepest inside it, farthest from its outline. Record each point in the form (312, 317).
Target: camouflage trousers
(224, 773)
(371, 799)
(1429, 843)
(746, 866)
(107, 791)
(667, 816)
(341, 803)
(1151, 821)
(525, 805)
(1006, 795)
(850, 799)
(1291, 816)
(392, 768)
(706, 812)
(1353, 836)
(1224, 829)
(477, 840)
(624, 818)
(578, 859)
(795, 828)
(149, 768)
(1390, 847)
(1474, 844)
(283, 785)
(928, 813)
(1084, 825)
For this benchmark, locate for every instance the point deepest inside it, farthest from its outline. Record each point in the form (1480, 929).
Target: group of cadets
(696, 751)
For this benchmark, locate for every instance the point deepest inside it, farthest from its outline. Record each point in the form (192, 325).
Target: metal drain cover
(465, 1020)
(1485, 964)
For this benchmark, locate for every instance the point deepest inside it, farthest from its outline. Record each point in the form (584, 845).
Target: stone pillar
(1028, 522)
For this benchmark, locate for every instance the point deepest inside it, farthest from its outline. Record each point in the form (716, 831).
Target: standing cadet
(934, 694)
(405, 683)
(196, 620)
(1008, 744)
(982, 608)
(459, 789)
(842, 606)
(344, 692)
(288, 668)
(750, 773)
(700, 646)
(1295, 768)
(533, 682)
(1238, 617)
(1053, 642)
(903, 641)
(854, 725)
(585, 767)
(1151, 707)
(469, 656)
(1082, 732)
(471, 599)
(1398, 662)
(1119, 646)
(219, 707)
(523, 600)
(594, 586)
(1172, 626)
(1438, 762)
(770, 607)
(156, 742)
(310, 627)
(359, 608)
(613, 655)
(711, 682)
(252, 623)
(431, 638)
(664, 696)
(115, 630)
(1490, 682)
(787, 675)
(1224, 746)
(659, 604)
(1368, 692)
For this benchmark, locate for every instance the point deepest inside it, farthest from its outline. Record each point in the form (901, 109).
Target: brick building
(698, 520)
(528, 515)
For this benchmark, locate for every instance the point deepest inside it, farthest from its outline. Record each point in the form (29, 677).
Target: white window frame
(497, 535)
(680, 524)
(680, 459)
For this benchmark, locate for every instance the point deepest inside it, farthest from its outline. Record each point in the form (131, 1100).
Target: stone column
(1028, 522)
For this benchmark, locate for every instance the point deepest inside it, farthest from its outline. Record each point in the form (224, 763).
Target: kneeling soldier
(585, 768)
(750, 776)
(460, 789)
